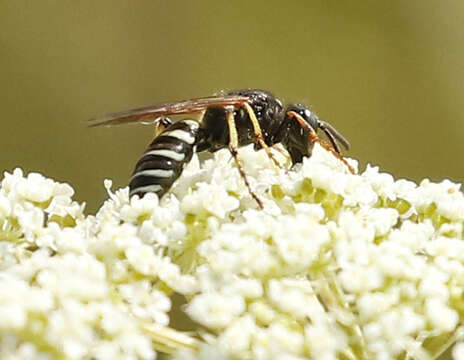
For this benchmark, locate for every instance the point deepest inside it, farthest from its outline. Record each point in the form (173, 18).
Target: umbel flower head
(336, 266)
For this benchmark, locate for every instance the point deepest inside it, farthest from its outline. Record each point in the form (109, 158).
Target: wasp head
(301, 124)
(294, 135)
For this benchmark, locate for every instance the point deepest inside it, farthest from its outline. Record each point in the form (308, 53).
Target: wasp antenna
(327, 128)
(331, 138)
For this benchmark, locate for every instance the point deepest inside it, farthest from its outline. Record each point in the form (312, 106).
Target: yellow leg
(259, 133)
(280, 148)
(233, 146)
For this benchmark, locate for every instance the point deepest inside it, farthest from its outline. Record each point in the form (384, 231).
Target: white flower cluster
(336, 266)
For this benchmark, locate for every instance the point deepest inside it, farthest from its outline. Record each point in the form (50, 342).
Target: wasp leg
(281, 149)
(314, 138)
(233, 146)
(259, 133)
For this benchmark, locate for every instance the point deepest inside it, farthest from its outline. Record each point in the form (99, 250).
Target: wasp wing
(151, 112)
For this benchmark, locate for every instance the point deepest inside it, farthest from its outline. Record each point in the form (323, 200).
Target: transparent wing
(151, 112)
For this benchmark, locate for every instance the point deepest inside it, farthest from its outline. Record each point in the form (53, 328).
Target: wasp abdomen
(164, 159)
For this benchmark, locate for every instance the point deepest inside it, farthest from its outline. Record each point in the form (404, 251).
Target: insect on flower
(230, 119)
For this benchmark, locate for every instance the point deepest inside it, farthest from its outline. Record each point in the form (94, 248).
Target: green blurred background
(388, 74)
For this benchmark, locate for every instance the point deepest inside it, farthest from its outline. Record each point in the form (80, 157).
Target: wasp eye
(307, 114)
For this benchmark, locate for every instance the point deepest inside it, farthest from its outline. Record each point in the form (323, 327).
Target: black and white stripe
(163, 161)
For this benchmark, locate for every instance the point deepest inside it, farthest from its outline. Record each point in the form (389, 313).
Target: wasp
(228, 120)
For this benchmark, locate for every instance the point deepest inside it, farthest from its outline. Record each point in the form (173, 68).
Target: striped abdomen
(163, 161)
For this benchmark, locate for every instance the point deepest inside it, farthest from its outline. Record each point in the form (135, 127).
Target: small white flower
(5, 206)
(382, 183)
(285, 340)
(152, 234)
(295, 297)
(31, 221)
(372, 305)
(35, 188)
(458, 351)
(213, 199)
(62, 205)
(433, 284)
(360, 279)
(440, 315)
(301, 246)
(139, 208)
(236, 339)
(214, 310)
(145, 302)
(325, 340)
